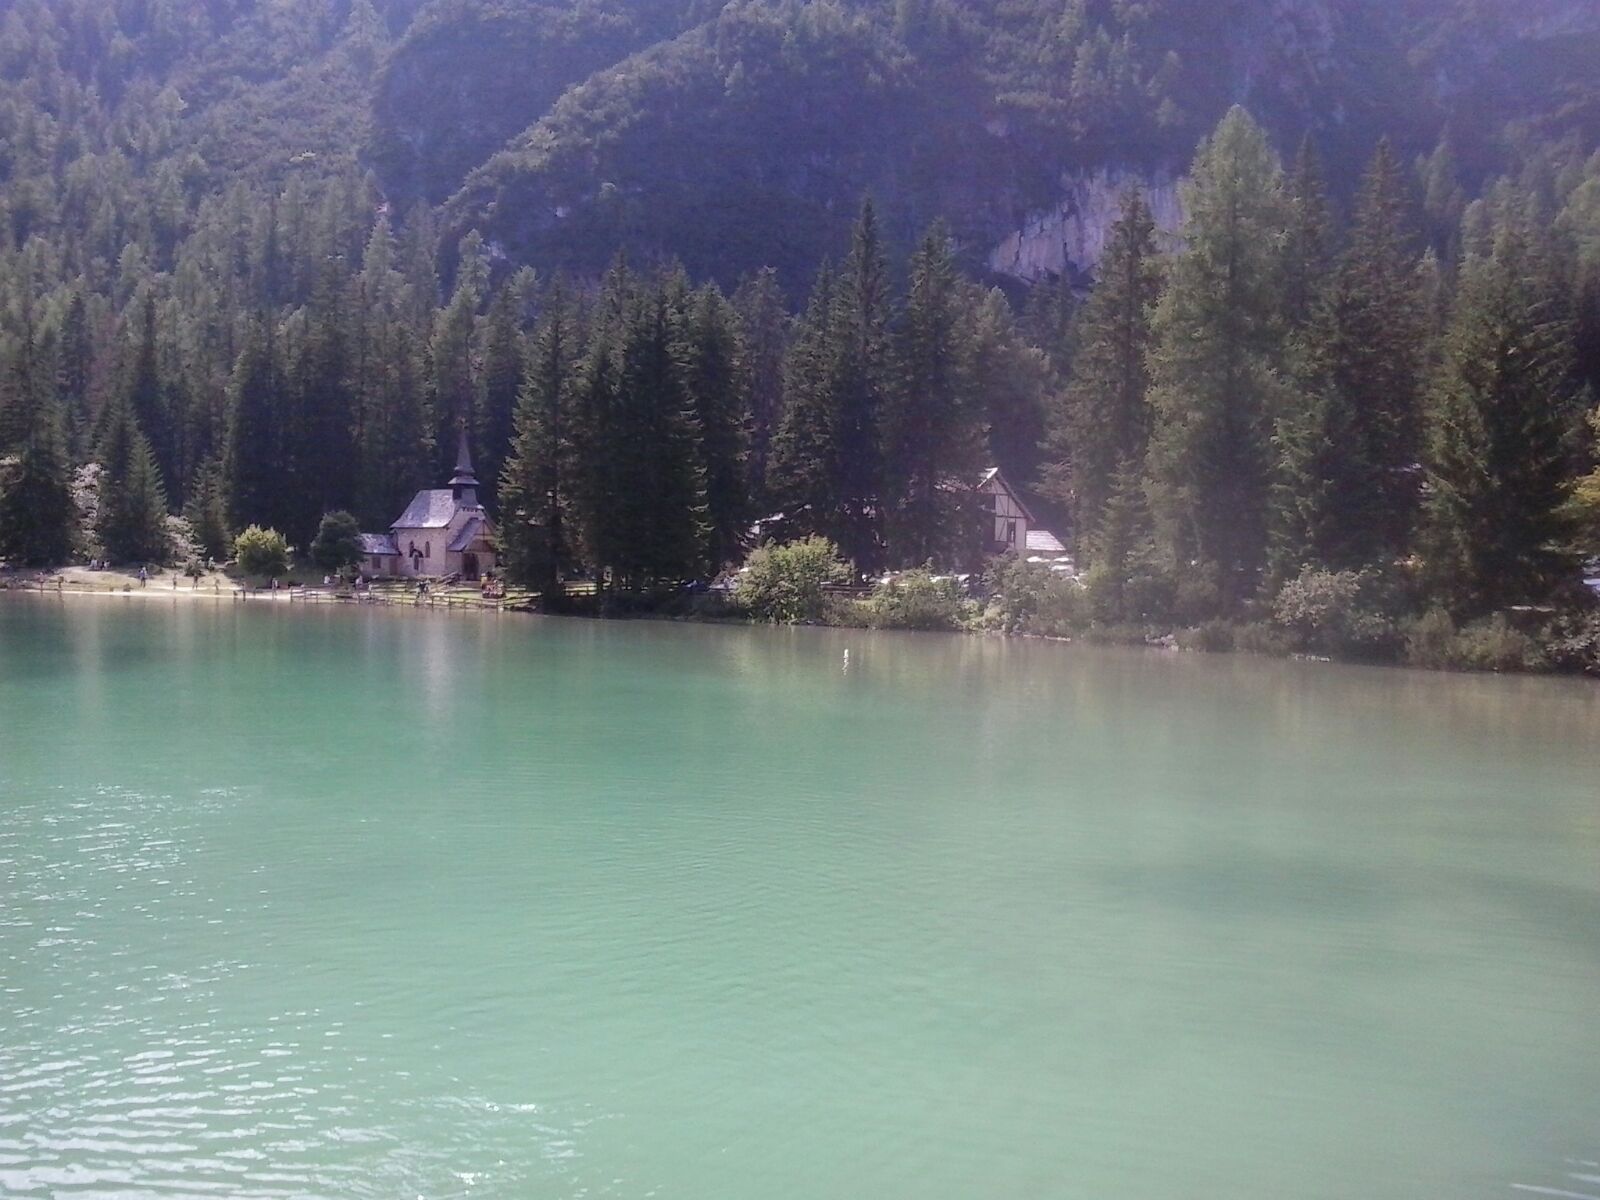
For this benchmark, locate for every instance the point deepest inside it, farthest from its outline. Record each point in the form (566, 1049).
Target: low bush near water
(1434, 641)
(917, 600)
(785, 582)
(1335, 613)
(1030, 598)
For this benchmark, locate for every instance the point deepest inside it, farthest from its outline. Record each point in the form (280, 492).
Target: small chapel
(443, 531)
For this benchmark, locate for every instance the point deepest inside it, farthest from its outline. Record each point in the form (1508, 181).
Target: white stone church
(443, 531)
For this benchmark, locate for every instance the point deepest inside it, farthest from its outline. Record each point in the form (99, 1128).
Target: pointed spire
(464, 483)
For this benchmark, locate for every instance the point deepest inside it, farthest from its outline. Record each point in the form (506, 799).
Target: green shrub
(261, 552)
(1494, 645)
(1196, 596)
(1430, 640)
(1334, 612)
(1434, 641)
(1031, 598)
(1215, 636)
(785, 583)
(1259, 637)
(338, 542)
(1572, 642)
(917, 600)
(1115, 634)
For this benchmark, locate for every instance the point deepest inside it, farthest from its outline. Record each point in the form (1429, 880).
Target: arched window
(427, 549)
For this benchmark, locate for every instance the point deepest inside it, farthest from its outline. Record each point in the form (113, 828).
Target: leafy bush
(1215, 636)
(1030, 598)
(784, 583)
(1196, 596)
(338, 542)
(1259, 637)
(1494, 645)
(1572, 642)
(1117, 635)
(1430, 640)
(1434, 641)
(182, 545)
(1334, 612)
(917, 600)
(261, 551)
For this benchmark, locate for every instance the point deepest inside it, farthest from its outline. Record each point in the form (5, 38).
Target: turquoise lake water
(373, 903)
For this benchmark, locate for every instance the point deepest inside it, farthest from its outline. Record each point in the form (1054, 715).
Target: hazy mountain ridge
(733, 135)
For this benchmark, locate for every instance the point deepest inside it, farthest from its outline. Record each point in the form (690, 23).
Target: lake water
(332, 902)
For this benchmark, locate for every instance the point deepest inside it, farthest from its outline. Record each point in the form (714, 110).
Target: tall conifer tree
(536, 483)
(1374, 351)
(932, 430)
(1102, 425)
(1498, 436)
(716, 389)
(1215, 367)
(859, 378)
(131, 522)
(37, 514)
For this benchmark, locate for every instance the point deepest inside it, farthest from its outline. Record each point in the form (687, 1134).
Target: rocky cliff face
(1068, 240)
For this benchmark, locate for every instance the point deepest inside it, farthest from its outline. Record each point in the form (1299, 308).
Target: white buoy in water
(847, 658)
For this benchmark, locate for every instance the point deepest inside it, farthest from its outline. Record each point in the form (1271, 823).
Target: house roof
(994, 475)
(379, 543)
(1042, 541)
(472, 531)
(431, 509)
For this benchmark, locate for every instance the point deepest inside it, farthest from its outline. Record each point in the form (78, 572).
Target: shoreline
(320, 597)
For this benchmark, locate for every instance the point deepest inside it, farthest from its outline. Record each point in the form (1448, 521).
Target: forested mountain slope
(735, 135)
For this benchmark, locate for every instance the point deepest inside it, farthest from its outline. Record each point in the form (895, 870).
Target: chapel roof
(433, 508)
(475, 529)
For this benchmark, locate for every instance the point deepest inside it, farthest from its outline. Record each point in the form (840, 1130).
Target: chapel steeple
(464, 483)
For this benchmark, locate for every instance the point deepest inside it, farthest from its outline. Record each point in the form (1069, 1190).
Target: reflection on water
(338, 903)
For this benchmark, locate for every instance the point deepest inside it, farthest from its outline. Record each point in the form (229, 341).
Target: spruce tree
(802, 480)
(1103, 420)
(503, 366)
(207, 511)
(657, 517)
(1499, 426)
(932, 431)
(26, 389)
(859, 378)
(715, 384)
(320, 451)
(395, 448)
(1015, 379)
(131, 522)
(1215, 369)
(147, 393)
(765, 329)
(37, 513)
(454, 381)
(536, 483)
(1308, 255)
(1374, 345)
(254, 461)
